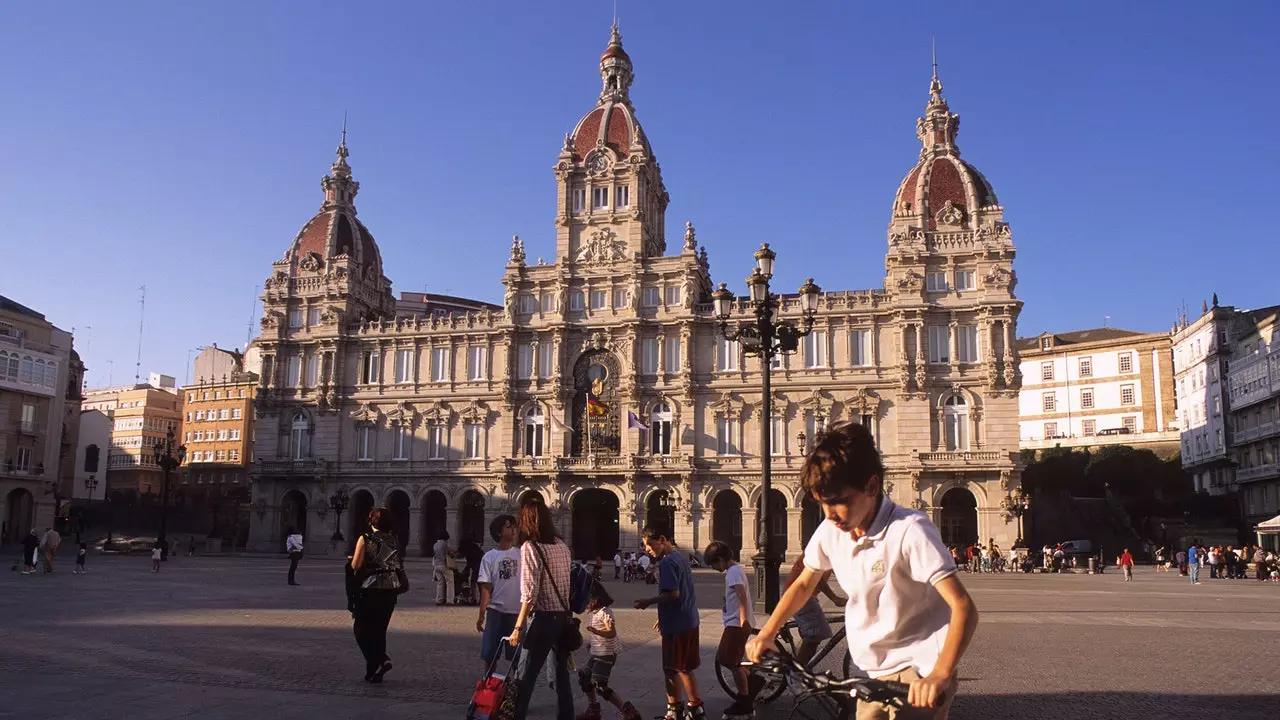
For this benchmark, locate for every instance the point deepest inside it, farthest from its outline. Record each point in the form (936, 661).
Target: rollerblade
(741, 709)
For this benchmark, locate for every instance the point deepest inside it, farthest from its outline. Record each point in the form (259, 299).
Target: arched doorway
(471, 518)
(434, 522)
(959, 518)
(726, 520)
(810, 519)
(777, 520)
(595, 524)
(398, 504)
(293, 513)
(660, 511)
(526, 496)
(22, 514)
(361, 504)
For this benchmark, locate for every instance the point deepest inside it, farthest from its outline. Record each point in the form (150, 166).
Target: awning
(1272, 525)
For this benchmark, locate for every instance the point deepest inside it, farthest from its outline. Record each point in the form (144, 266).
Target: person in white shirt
(737, 617)
(499, 581)
(908, 617)
(604, 648)
(441, 572)
(617, 565)
(293, 546)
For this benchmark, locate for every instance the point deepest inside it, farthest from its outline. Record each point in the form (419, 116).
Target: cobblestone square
(224, 637)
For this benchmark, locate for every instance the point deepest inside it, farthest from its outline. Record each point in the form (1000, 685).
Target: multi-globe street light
(169, 459)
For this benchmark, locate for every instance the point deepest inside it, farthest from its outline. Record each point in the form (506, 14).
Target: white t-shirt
(644, 561)
(894, 617)
(155, 553)
(440, 554)
(602, 619)
(735, 575)
(617, 559)
(501, 569)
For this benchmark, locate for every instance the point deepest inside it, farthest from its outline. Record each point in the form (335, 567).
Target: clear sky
(180, 145)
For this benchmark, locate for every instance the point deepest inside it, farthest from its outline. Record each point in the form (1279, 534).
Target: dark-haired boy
(499, 581)
(908, 617)
(677, 623)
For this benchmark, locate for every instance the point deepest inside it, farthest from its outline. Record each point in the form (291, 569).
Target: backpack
(580, 582)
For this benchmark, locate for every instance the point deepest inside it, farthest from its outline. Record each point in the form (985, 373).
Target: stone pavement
(223, 637)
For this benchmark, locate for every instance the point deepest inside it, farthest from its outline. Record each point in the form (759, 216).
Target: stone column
(953, 329)
(451, 525)
(414, 548)
(795, 546)
(749, 531)
(684, 531)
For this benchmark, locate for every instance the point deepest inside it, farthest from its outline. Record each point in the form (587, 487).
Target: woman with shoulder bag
(381, 579)
(544, 592)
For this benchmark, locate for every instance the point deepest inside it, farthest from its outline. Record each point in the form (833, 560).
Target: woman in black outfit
(375, 564)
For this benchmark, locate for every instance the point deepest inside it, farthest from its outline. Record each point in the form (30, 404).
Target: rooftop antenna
(933, 45)
(615, 13)
(344, 128)
(253, 306)
(111, 368)
(142, 316)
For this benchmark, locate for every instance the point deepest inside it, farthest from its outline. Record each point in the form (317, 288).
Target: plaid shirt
(535, 588)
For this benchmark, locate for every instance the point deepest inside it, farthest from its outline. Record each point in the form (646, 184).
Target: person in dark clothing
(473, 554)
(375, 565)
(30, 544)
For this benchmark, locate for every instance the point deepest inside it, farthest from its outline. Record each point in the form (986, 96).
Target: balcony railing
(1262, 430)
(1257, 472)
(29, 427)
(961, 457)
(1037, 443)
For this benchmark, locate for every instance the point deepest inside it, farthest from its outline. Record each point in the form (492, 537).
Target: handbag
(571, 636)
(403, 578)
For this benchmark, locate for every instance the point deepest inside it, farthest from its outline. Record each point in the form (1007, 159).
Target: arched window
(660, 425)
(533, 432)
(955, 423)
(300, 437)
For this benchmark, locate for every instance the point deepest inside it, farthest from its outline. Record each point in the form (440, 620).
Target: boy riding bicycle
(908, 617)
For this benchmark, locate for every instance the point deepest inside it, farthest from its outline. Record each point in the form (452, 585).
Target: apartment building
(141, 416)
(217, 418)
(1253, 394)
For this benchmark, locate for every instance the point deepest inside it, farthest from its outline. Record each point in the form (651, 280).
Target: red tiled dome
(619, 128)
(335, 232)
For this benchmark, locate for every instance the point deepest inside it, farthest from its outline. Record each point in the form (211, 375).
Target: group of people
(456, 585)
(984, 558)
(1230, 562)
(633, 566)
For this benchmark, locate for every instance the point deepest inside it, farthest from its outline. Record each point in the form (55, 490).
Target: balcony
(1262, 430)
(1257, 472)
(952, 458)
(1083, 441)
(29, 427)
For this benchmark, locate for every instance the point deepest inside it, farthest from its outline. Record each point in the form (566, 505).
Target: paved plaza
(224, 637)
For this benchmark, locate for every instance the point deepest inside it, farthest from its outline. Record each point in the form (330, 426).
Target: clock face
(596, 162)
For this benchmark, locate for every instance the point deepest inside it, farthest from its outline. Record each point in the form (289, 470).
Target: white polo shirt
(895, 619)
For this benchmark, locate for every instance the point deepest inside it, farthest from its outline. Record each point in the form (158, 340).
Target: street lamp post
(168, 462)
(767, 337)
(90, 485)
(339, 501)
(1017, 504)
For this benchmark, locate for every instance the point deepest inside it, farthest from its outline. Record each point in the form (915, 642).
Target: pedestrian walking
(617, 565)
(293, 546)
(30, 546)
(49, 547)
(1194, 554)
(378, 570)
(472, 552)
(737, 616)
(157, 550)
(81, 554)
(191, 546)
(499, 581)
(1126, 564)
(440, 570)
(677, 623)
(544, 594)
(604, 647)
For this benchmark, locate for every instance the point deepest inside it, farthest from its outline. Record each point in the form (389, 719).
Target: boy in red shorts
(677, 623)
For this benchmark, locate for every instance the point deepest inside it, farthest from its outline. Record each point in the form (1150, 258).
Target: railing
(29, 427)
(1135, 438)
(1257, 431)
(1257, 472)
(964, 457)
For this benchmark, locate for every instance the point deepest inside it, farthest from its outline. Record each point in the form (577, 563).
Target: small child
(80, 557)
(604, 644)
(155, 557)
(737, 618)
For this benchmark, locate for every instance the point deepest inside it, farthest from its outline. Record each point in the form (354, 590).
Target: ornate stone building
(603, 383)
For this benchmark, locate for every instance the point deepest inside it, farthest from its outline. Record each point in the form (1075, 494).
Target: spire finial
(343, 144)
(935, 85)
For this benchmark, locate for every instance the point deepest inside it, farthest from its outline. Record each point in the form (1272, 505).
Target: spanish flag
(595, 408)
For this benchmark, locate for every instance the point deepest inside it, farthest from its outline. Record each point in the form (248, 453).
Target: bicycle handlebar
(867, 689)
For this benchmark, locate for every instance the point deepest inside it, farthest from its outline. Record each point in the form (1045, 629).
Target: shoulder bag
(571, 636)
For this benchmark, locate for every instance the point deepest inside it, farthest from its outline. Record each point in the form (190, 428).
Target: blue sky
(180, 145)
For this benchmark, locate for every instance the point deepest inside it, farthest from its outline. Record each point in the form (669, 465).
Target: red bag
(488, 696)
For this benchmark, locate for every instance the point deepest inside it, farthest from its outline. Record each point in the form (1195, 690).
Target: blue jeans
(1194, 569)
(539, 641)
(497, 625)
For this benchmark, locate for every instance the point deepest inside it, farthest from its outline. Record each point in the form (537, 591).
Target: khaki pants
(876, 711)
(48, 559)
(444, 586)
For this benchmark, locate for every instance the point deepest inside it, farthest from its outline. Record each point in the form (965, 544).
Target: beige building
(451, 417)
(40, 377)
(217, 414)
(1092, 388)
(141, 415)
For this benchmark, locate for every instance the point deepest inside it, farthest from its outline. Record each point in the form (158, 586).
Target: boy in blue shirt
(1193, 563)
(677, 623)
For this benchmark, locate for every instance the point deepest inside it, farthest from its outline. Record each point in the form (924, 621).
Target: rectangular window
(292, 371)
(777, 436)
(222, 414)
(1086, 367)
(649, 356)
(1089, 427)
(1126, 363)
(476, 362)
(400, 444)
(599, 198)
(221, 455)
(233, 455)
(1046, 343)
(404, 366)
(1086, 399)
(619, 299)
(727, 357)
(935, 281)
(579, 199)
(939, 344)
(726, 436)
(649, 297)
(1126, 395)
(1130, 423)
(622, 196)
(672, 363)
(1049, 402)
(967, 343)
(474, 441)
(235, 434)
(776, 362)
(364, 443)
(295, 319)
(598, 299)
(575, 300)
(222, 435)
(673, 294)
(524, 361)
(439, 364)
(1046, 371)
(547, 303)
(814, 425)
(546, 359)
(312, 373)
(313, 317)
(1050, 430)
(369, 371)
(815, 349)
(965, 280)
(435, 441)
(528, 303)
(860, 347)
(199, 436)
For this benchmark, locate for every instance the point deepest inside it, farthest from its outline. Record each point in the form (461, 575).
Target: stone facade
(603, 383)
